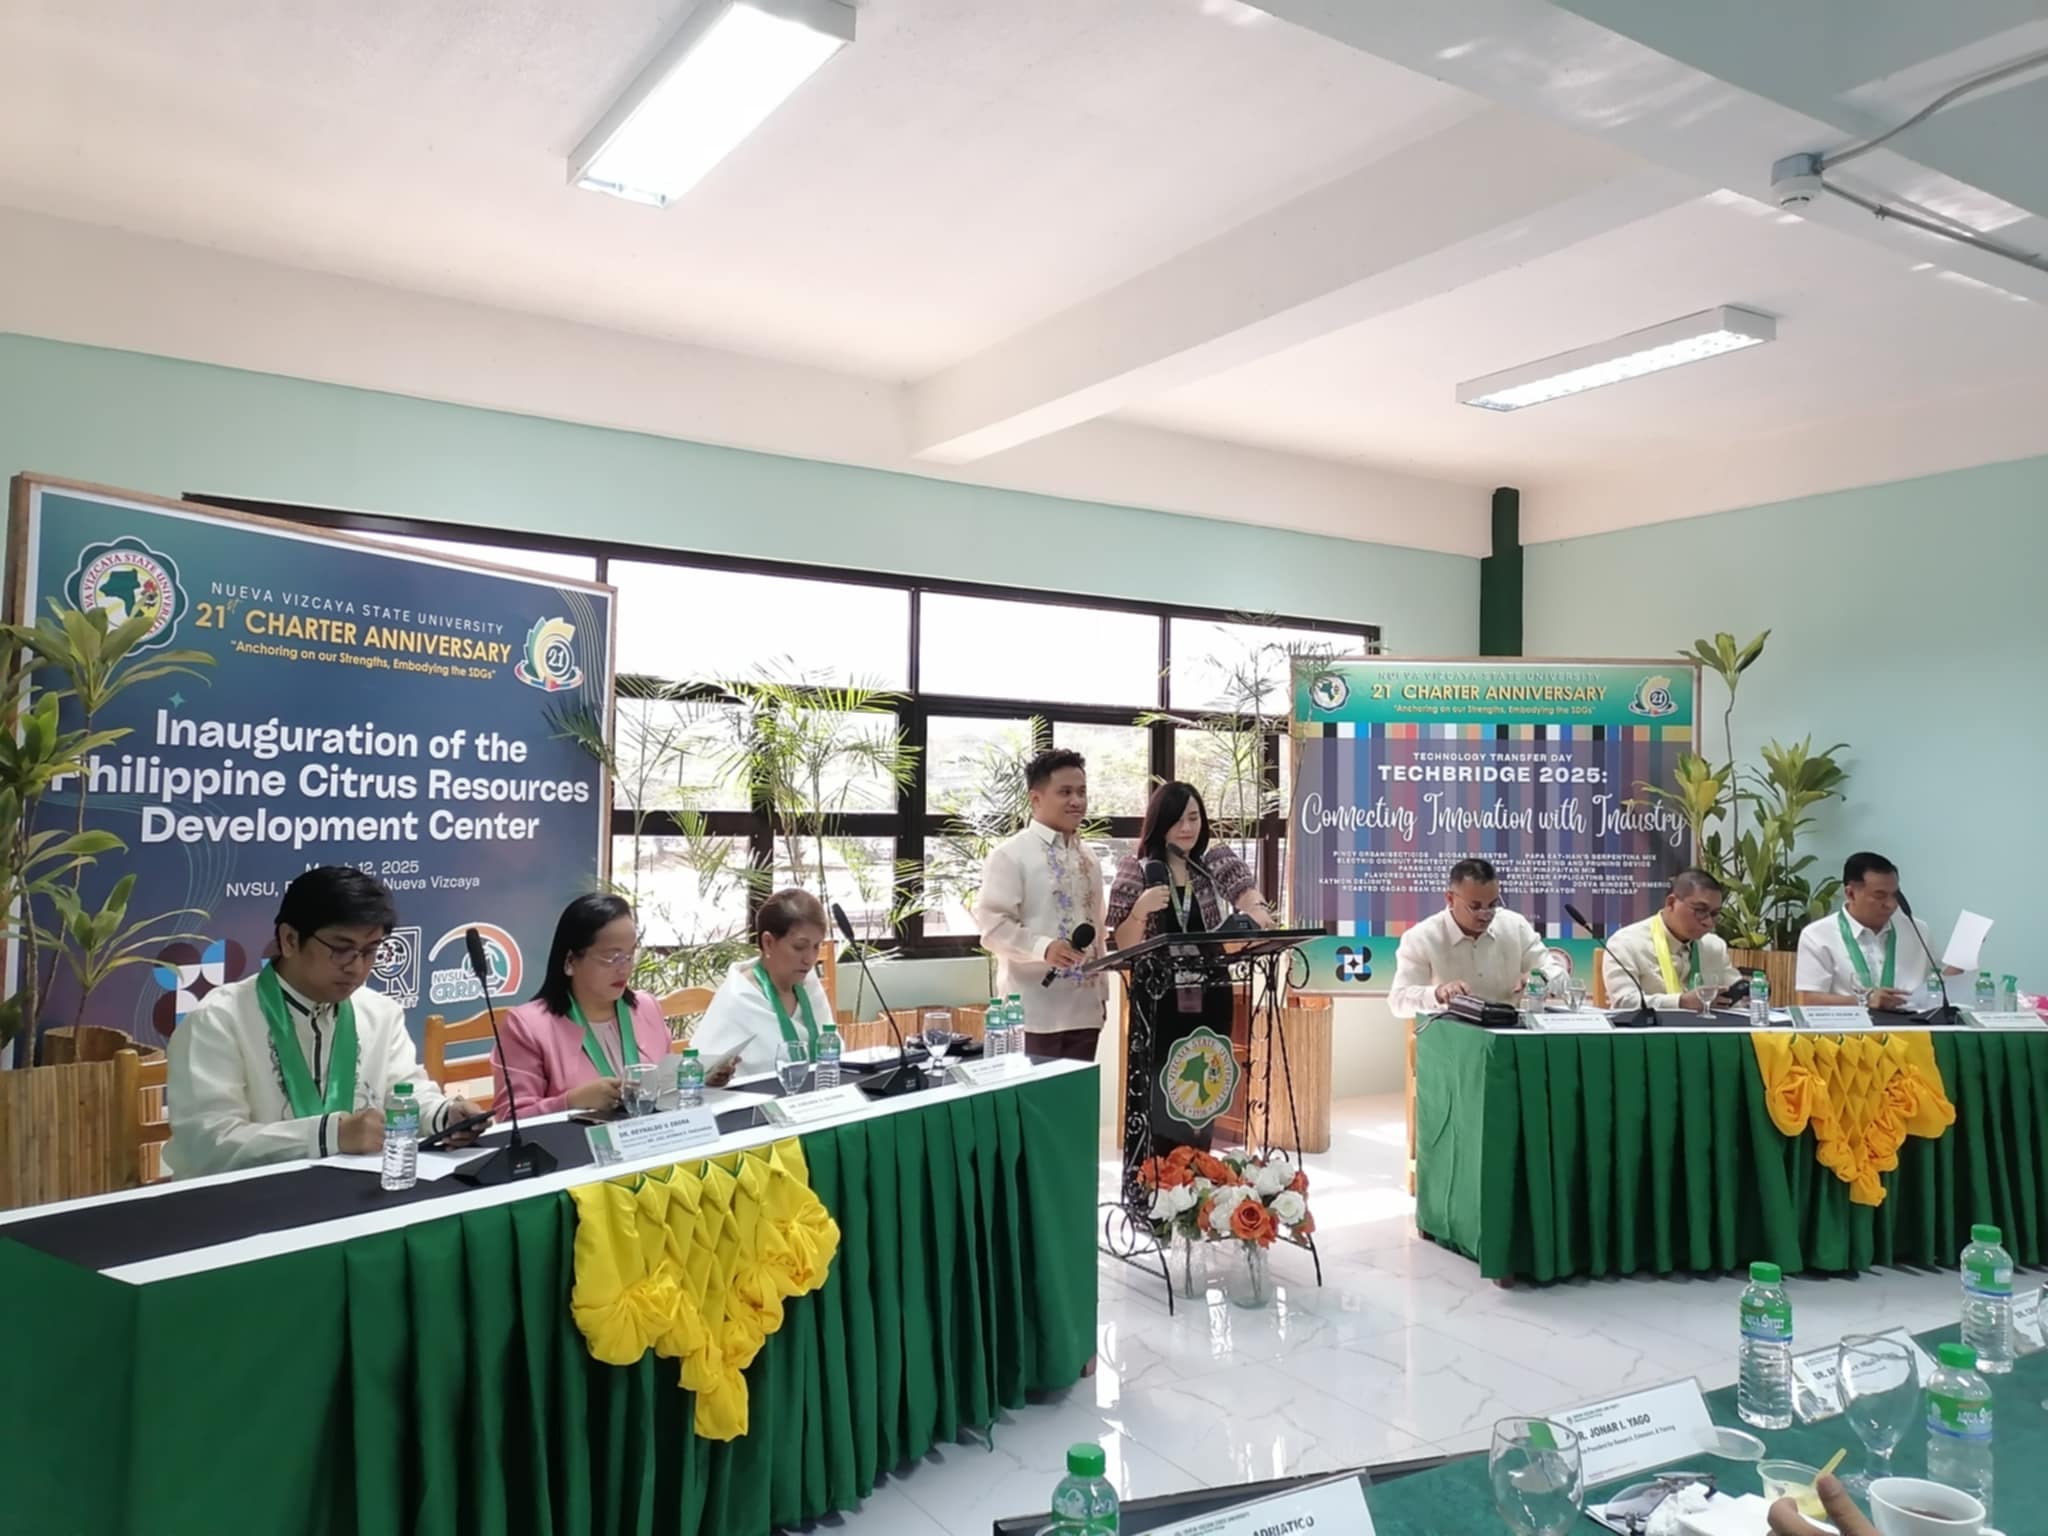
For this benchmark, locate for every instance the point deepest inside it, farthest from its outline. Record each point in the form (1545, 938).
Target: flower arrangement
(1233, 1196)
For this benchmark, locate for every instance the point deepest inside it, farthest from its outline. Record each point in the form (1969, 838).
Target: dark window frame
(911, 825)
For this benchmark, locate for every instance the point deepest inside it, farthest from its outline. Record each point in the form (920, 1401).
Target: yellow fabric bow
(1862, 1094)
(695, 1264)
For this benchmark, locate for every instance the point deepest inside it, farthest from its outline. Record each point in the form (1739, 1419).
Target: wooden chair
(1597, 987)
(152, 1119)
(690, 1004)
(70, 1131)
(460, 1071)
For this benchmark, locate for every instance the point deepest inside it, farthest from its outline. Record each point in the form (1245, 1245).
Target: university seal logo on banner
(550, 660)
(1653, 699)
(1327, 691)
(450, 980)
(396, 970)
(1198, 1078)
(127, 578)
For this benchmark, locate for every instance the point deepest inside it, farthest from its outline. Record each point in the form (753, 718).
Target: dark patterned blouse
(1228, 879)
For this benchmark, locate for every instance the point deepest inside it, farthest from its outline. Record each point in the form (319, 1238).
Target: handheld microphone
(518, 1158)
(1946, 1013)
(1082, 936)
(883, 1084)
(1155, 873)
(1645, 1017)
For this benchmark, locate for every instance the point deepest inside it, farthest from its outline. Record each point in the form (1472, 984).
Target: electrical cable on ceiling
(1947, 98)
(1946, 231)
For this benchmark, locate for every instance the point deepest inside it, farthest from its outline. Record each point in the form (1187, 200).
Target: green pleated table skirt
(430, 1380)
(1545, 1156)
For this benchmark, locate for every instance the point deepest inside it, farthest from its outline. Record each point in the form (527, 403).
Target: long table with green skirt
(1457, 1499)
(428, 1377)
(1548, 1155)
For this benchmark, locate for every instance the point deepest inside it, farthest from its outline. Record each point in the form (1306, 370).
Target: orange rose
(1214, 1169)
(1183, 1155)
(1202, 1214)
(1299, 1183)
(1173, 1176)
(1251, 1222)
(1305, 1227)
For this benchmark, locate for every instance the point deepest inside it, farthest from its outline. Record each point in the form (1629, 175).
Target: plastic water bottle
(401, 1138)
(690, 1081)
(1987, 992)
(830, 1048)
(1959, 1424)
(1759, 1000)
(1085, 1504)
(1987, 1300)
(995, 1029)
(1534, 992)
(1763, 1375)
(1014, 1010)
(2009, 995)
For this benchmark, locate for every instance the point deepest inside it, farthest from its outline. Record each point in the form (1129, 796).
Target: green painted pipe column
(1500, 579)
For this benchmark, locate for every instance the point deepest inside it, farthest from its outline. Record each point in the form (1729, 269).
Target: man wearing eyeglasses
(296, 1061)
(1675, 951)
(1475, 947)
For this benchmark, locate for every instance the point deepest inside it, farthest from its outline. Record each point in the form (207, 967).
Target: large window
(906, 708)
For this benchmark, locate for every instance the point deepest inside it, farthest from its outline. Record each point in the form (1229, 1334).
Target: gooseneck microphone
(518, 1158)
(883, 1084)
(1082, 937)
(1645, 1017)
(1946, 1013)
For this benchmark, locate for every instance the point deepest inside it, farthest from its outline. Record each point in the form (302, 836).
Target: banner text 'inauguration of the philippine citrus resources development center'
(379, 707)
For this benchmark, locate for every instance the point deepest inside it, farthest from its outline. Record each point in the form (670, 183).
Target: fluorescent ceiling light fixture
(730, 64)
(1670, 345)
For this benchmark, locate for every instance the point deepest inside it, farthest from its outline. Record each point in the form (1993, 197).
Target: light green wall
(157, 425)
(1907, 620)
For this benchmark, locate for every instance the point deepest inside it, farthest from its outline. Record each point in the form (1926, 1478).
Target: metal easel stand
(1127, 1233)
(1265, 1002)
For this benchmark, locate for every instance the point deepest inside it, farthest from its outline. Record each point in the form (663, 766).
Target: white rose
(1226, 1201)
(1289, 1208)
(1271, 1179)
(1184, 1200)
(1162, 1205)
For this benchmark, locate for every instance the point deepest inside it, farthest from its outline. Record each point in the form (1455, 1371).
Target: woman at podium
(1177, 882)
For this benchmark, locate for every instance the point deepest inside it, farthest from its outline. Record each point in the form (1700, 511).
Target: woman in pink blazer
(570, 1045)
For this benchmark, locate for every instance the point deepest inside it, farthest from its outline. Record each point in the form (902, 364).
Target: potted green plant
(1747, 820)
(93, 662)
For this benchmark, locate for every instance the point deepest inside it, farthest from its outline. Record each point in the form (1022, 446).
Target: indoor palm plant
(1747, 819)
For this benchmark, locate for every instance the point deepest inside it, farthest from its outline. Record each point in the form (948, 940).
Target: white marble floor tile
(1404, 1351)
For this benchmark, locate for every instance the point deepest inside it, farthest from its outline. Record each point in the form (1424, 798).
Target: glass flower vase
(1188, 1263)
(1250, 1276)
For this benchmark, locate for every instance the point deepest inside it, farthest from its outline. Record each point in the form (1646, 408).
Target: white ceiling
(1187, 253)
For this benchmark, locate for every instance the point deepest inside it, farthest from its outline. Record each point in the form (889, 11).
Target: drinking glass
(1575, 994)
(1538, 1479)
(793, 1065)
(937, 1034)
(1880, 1394)
(639, 1089)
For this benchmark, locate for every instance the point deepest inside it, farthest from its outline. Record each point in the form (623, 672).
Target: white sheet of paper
(2024, 1019)
(1966, 944)
(625, 1141)
(432, 1165)
(1621, 1436)
(1338, 1505)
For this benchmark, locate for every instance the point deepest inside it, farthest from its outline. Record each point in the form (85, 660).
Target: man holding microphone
(1040, 913)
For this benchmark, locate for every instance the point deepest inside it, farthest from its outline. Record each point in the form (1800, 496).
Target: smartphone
(439, 1140)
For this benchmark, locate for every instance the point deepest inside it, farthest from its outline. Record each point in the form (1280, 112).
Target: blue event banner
(1543, 768)
(368, 705)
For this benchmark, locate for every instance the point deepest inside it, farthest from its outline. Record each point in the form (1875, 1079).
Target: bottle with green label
(1959, 1424)
(1534, 994)
(1987, 992)
(1763, 1374)
(2009, 995)
(1987, 1300)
